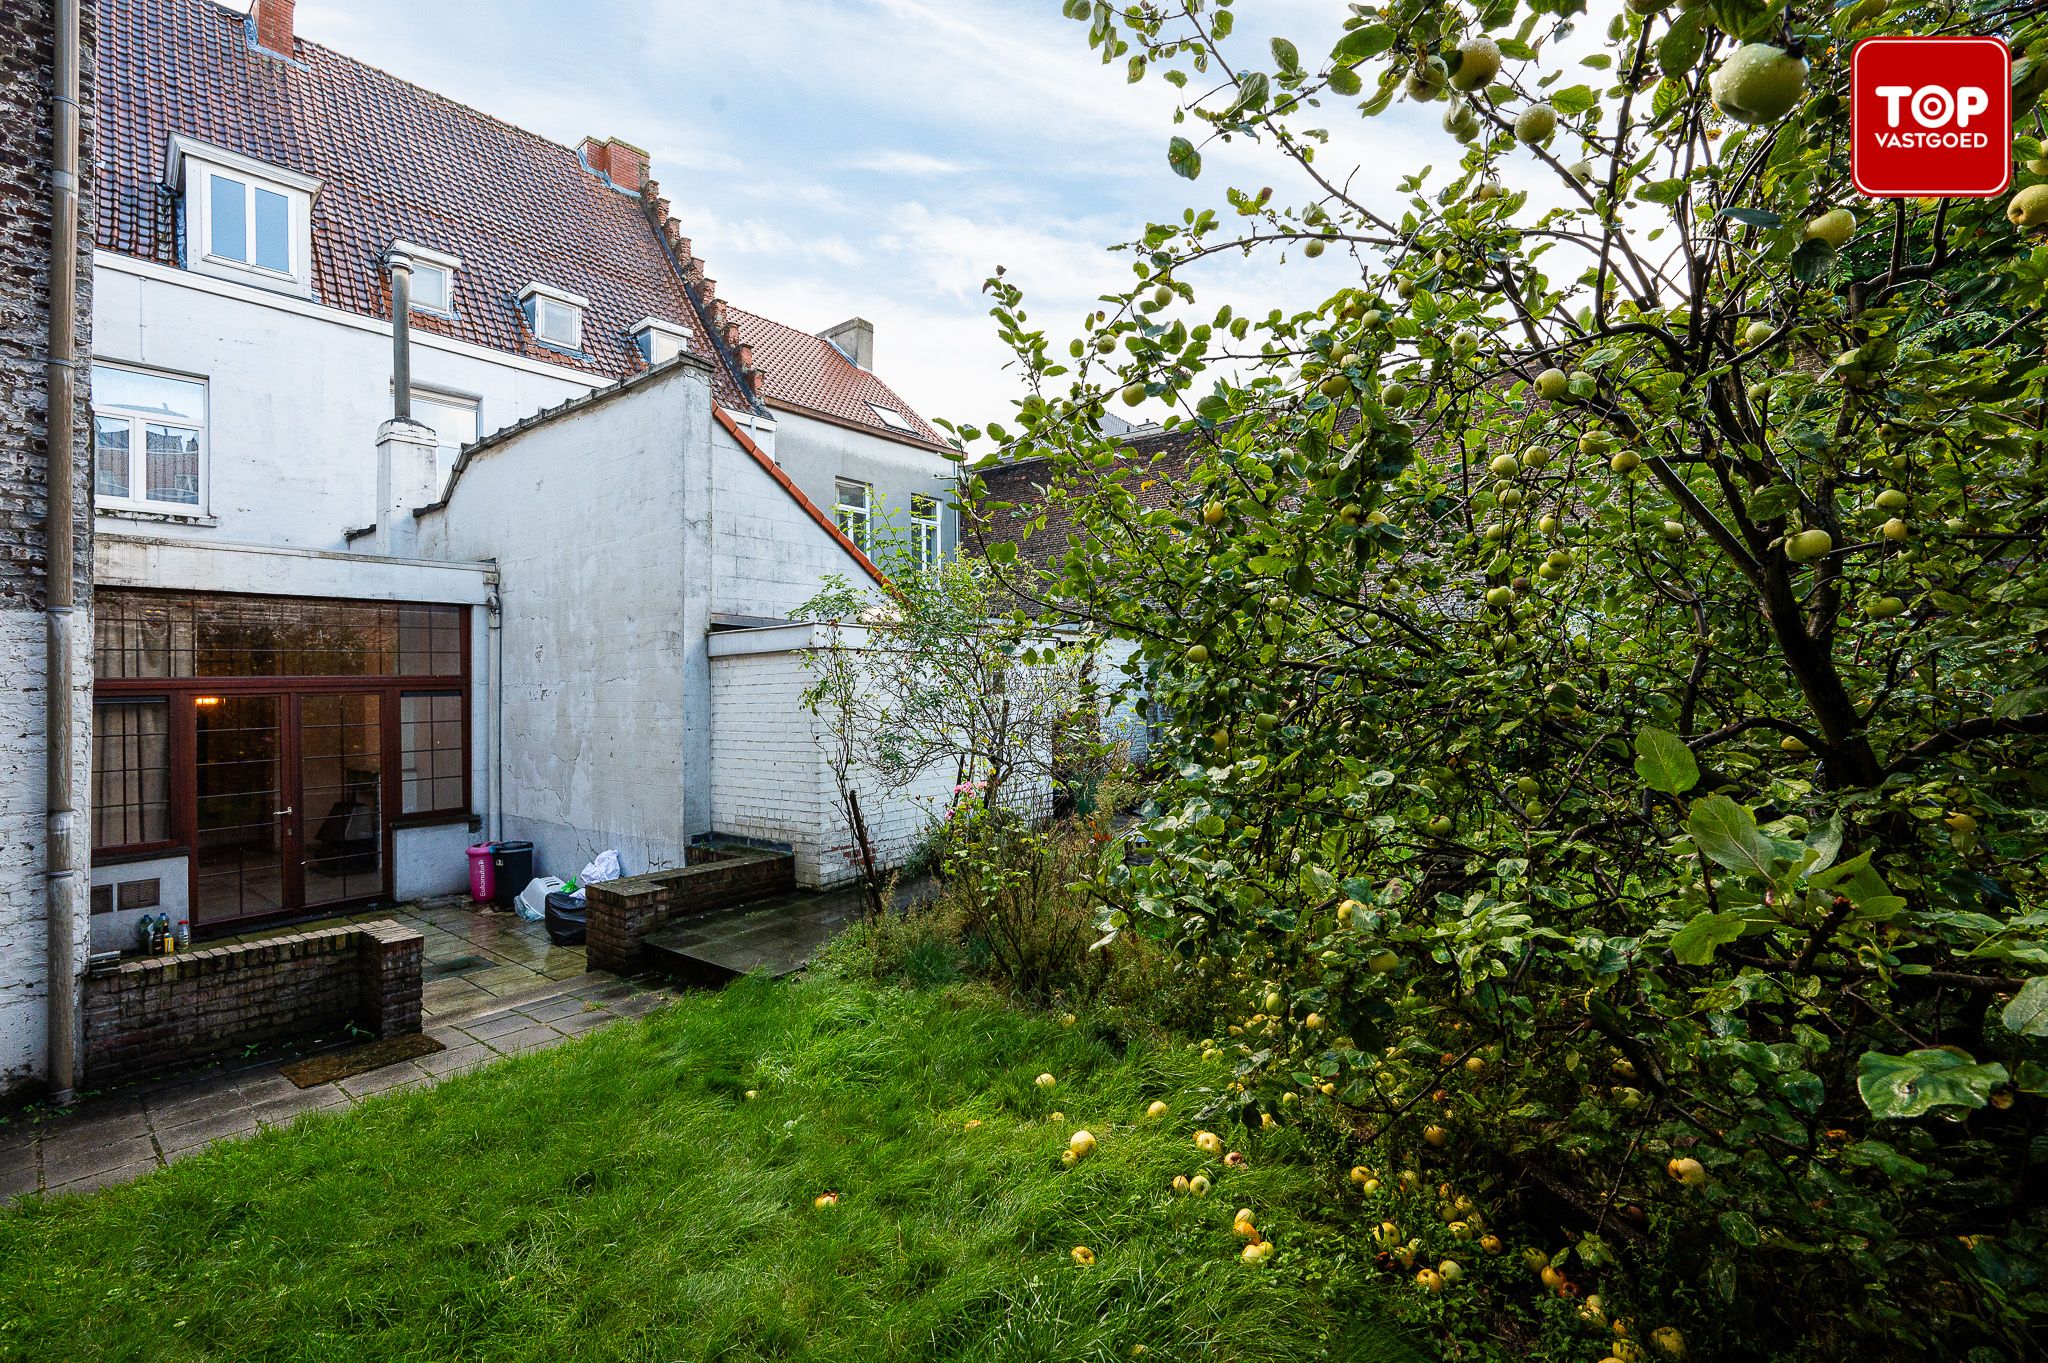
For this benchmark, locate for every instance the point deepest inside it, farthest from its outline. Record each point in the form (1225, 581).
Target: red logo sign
(1931, 117)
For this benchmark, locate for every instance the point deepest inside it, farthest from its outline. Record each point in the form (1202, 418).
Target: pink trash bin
(483, 876)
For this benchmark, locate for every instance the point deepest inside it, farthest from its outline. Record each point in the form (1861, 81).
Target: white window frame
(534, 301)
(138, 453)
(192, 166)
(426, 258)
(856, 519)
(660, 341)
(925, 539)
(459, 401)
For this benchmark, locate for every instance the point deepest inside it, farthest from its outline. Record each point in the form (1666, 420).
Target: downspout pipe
(60, 889)
(401, 336)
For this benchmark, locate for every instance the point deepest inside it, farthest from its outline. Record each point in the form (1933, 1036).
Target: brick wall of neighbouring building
(26, 79)
(161, 1012)
(622, 913)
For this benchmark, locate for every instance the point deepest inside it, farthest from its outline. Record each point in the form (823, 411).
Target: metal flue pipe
(401, 336)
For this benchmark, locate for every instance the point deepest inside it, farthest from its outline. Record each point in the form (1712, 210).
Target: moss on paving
(621, 1198)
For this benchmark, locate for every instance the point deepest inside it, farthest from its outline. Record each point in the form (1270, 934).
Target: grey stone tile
(192, 1103)
(18, 1173)
(456, 1059)
(106, 1178)
(265, 1088)
(290, 1107)
(497, 1025)
(384, 1079)
(578, 1023)
(547, 1010)
(93, 1128)
(235, 1121)
(532, 1037)
(64, 1163)
(640, 1005)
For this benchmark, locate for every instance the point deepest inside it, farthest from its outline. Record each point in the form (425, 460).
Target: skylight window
(433, 277)
(891, 418)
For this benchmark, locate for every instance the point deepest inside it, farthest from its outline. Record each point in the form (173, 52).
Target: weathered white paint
(295, 394)
(816, 453)
(22, 1010)
(124, 560)
(115, 931)
(433, 860)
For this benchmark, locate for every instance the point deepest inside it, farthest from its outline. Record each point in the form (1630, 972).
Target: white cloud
(905, 162)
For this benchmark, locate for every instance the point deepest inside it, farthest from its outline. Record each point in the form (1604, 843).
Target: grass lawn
(621, 1198)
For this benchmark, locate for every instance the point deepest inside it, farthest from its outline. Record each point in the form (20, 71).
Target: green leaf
(1361, 43)
(1664, 762)
(1726, 832)
(1910, 1085)
(1753, 217)
(1185, 160)
(1286, 56)
(1773, 502)
(1813, 262)
(1663, 191)
(2027, 1014)
(1738, 1227)
(1573, 99)
(1002, 551)
(1694, 943)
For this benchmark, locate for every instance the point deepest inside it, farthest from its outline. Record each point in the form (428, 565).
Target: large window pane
(148, 634)
(229, 212)
(149, 395)
(432, 753)
(454, 421)
(273, 231)
(131, 773)
(172, 471)
(341, 764)
(110, 456)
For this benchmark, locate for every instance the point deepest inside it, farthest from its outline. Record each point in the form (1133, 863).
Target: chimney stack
(274, 26)
(855, 338)
(624, 164)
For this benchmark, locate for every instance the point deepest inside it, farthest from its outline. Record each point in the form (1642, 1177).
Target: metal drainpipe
(401, 336)
(60, 889)
(496, 608)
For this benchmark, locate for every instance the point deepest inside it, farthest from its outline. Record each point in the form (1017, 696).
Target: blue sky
(878, 157)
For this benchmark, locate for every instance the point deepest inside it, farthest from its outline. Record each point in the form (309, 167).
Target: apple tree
(1602, 642)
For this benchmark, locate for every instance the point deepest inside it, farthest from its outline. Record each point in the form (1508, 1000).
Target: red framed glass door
(340, 750)
(241, 815)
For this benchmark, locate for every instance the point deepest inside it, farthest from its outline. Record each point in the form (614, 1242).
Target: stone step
(778, 936)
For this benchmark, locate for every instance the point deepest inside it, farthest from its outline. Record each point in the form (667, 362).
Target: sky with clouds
(877, 157)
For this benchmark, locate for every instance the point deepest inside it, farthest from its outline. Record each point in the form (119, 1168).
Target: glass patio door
(242, 816)
(341, 797)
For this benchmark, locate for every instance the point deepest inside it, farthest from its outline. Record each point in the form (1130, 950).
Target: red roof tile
(808, 372)
(396, 162)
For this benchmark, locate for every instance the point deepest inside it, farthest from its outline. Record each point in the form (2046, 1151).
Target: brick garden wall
(622, 913)
(26, 78)
(161, 1012)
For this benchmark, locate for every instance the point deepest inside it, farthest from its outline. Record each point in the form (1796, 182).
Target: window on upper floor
(659, 341)
(454, 419)
(553, 316)
(924, 532)
(891, 418)
(433, 277)
(149, 441)
(244, 219)
(853, 510)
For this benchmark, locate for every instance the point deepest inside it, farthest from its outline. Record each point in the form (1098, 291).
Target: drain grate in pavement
(460, 965)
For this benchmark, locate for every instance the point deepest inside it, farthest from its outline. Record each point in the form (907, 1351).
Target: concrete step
(778, 936)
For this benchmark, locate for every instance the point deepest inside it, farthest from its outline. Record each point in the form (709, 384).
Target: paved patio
(474, 956)
(136, 1130)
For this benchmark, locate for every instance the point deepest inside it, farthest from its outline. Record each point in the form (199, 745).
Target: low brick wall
(160, 1012)
(622, 913)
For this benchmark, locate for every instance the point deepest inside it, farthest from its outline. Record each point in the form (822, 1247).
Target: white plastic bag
(604, 866)
(533, 900)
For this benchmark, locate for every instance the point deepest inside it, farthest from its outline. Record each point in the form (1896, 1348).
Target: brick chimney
(274, 26)
(624, 163)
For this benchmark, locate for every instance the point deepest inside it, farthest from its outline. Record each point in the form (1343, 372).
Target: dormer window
(660, 341)
(554, 317)
(433, 277)
(244, 219)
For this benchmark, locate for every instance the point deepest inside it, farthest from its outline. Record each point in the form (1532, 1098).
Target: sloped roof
(396, 162)
(809, 373)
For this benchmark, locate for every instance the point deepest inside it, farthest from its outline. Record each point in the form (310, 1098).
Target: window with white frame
(553, 316)
(891, 418)
(924, 532)
(853, 510)
(454, 420)
(149, 440)
(659, 341)
(433, 277)
(244, 219)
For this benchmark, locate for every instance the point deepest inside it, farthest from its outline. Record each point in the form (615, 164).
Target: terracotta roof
(810, 374)
(396, 162)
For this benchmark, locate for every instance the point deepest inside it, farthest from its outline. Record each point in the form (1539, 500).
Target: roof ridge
(396, 79)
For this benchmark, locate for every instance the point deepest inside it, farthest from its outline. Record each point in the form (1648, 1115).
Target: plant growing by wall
(1601, 646)
(938, 674)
